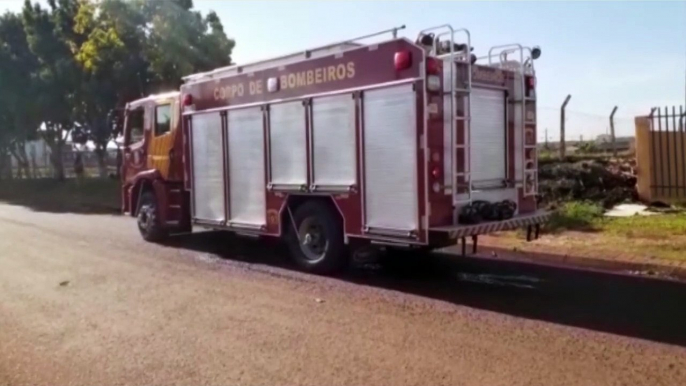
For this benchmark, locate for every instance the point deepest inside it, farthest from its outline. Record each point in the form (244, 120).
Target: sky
(628, 54)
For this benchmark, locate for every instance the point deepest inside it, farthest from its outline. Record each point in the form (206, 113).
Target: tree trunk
(7, 166)
(19, 153)
(57, 161)
(3, 164)
(55, 138)
(101, 155)
(34, 169)
(27, 169)
(25, 162)
(120, 158)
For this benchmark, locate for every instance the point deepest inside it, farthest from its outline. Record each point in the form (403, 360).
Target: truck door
(134, 143)
(164, 119)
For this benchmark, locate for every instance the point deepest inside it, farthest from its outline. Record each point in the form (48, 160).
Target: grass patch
(579, 228)
(588, 216)
(648, 227)
(575, 215)
(90, 195)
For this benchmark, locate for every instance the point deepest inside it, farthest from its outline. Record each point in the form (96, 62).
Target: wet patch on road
(525, 282)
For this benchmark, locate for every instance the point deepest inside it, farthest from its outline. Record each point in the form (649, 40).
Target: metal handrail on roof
(299, 55)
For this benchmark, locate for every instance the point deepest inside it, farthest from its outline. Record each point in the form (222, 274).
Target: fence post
(612, 132)
(563, 146)
(546, 138)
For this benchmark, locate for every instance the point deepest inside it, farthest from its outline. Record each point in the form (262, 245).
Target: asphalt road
(84, 301)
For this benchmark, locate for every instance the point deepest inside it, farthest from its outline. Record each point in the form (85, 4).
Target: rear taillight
(530, 83)
(433, 71)
(187, 100)
(432, 66)
(436, 172)
(402, 60)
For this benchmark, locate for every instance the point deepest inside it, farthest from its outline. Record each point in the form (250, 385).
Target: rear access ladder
(461, 184)
(524, 68)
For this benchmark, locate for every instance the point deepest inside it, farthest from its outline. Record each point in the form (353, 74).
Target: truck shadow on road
(634, 306)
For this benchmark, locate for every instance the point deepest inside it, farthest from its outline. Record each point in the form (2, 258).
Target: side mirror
(536, 52)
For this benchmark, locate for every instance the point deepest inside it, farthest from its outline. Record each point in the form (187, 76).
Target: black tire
(316, 244)
(148, 219)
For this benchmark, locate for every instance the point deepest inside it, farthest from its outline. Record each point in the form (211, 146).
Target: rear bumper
(519, 221)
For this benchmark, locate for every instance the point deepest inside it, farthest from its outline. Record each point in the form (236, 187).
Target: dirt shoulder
(664, 256)
(580, 235)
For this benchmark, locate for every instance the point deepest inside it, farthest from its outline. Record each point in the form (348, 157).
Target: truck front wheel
(316, 240)
(149, 219)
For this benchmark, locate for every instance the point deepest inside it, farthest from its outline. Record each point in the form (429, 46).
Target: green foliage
(575, 215)
(18, 112)
(659, 226)
(181, 41)
(587, 148)
(588, 216)
(66, 66)
(604, 181)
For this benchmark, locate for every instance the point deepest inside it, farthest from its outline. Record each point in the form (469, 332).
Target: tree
(182, 42)
(100, 53)
(66, 66)
(57, 76)
(131, 49)
(18, 117)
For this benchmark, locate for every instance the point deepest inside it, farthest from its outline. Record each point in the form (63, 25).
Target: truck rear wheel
(149, 219)
(316, 240)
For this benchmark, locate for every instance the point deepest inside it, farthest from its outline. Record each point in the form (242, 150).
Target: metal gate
(661, 154)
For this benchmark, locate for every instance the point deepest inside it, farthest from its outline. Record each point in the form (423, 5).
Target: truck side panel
(314, 141)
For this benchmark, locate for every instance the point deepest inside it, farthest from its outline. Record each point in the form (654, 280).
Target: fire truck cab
(399, 143)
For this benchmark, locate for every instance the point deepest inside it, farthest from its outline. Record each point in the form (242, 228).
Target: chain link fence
(39, 163)
(584, 132)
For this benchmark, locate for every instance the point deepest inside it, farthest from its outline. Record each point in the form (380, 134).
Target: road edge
(620, 267)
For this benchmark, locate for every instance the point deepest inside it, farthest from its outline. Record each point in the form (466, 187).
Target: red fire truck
(394, 144)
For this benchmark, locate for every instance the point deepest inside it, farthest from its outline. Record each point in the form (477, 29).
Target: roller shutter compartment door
(208, 168)
(390, 158)
(488, 138)
(288, 144)
(247, 190)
